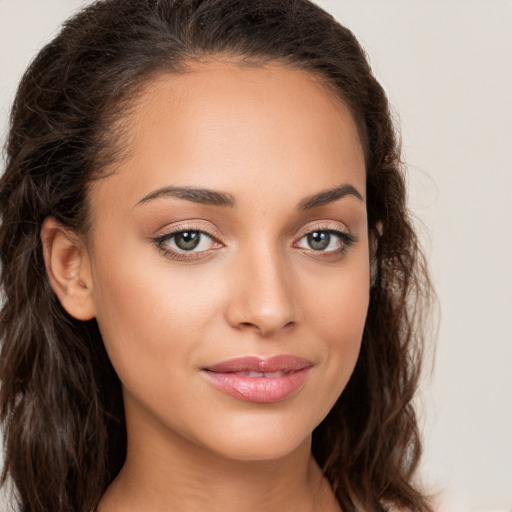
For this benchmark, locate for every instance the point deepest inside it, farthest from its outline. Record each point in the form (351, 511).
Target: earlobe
(68, 268)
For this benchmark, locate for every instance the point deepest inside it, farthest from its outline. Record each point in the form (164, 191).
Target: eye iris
(319, 240)
(187, 240)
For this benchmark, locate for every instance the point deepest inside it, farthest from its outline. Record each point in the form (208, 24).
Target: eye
(186, 243)
(326, 241)
(189, 240)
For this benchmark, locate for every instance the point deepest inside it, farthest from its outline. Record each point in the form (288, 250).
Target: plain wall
(447, 68)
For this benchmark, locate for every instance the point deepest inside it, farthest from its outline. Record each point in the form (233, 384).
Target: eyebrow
(224, 199)
(328, 196)
(196, 195)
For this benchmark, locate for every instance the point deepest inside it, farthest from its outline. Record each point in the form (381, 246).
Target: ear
(68, 268)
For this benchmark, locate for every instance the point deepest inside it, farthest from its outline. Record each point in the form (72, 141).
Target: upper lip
(278, 363)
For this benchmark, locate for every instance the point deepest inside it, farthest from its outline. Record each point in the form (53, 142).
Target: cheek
(149, 317)
(338, 306)
(340, 313)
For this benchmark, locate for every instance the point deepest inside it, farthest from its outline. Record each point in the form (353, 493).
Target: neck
(165, 472)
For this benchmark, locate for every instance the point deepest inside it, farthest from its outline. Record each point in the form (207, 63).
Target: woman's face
(233, 232)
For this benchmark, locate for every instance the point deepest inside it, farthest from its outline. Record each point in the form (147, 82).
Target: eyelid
(338, 229)
(192, 225)
(324, 226)
(167, 233)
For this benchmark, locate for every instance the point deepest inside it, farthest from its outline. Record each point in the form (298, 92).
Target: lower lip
(261, 390)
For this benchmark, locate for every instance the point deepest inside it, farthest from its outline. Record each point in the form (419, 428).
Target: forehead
(226, 126)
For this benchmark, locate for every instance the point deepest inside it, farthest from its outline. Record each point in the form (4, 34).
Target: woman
(212, 288)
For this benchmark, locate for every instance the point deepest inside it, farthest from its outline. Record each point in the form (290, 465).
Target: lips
(280, 363)
(259, 380)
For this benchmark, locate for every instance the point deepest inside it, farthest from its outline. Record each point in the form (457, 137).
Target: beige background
(447, 67)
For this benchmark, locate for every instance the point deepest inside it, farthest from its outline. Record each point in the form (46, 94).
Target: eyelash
(346, 240)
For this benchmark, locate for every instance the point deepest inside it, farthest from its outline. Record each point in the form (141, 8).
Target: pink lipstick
(254, 379)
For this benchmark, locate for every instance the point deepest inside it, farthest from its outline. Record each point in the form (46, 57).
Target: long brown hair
(60, 398)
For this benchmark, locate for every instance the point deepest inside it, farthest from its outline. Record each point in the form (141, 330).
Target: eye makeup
(189, 242)
(324, 240)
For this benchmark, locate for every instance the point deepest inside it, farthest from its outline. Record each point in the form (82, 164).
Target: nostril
(248, 324)
(265, 328)
(266, 308)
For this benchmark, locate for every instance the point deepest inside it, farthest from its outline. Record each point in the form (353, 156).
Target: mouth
(258, 380)
(275, 364)
(267, 375)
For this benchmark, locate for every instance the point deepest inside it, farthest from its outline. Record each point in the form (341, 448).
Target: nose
(262, 296)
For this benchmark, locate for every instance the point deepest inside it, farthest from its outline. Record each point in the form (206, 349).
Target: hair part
(60, 399)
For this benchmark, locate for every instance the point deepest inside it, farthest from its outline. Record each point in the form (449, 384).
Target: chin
(264, 450)
(264, 440)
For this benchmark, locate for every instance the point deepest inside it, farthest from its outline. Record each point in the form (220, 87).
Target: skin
(270, 137)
